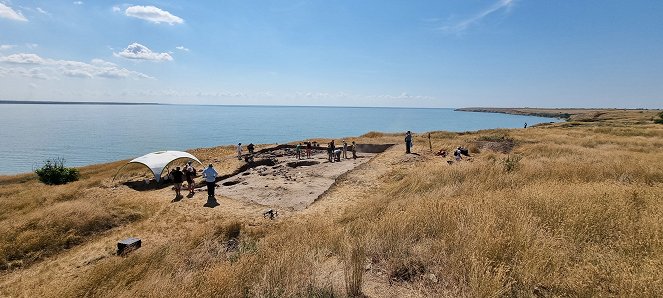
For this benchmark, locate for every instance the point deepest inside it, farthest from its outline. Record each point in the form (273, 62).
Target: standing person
(345, 149)
(354, 150)
(178, 178)
(298, 150)
(308, 150)
(330, 151)
(239, 151)
(333, 148)
(525, 125)
(189, 174)
(250, 147)
(408, 141)
(210, 179)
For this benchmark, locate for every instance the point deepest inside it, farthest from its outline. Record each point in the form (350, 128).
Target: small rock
(432, 277)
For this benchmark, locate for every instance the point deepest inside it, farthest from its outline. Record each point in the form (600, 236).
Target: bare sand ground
(291, 184)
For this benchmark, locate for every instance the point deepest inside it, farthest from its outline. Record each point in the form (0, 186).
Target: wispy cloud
(140, 52)
(78, 2)
(9, 13)
(40, 10)
(6, 46)
(465, 24)
(153, 14)
(182, 48)
(33, 66)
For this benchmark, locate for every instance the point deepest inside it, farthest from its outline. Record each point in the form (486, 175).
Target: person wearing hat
(210, 179)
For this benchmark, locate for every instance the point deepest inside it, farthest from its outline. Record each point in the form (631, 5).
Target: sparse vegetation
(511, 163)
(578, 214)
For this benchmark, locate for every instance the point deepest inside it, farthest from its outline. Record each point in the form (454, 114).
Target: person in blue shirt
(210, 179)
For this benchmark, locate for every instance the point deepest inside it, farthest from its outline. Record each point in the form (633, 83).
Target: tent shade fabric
(157, 161)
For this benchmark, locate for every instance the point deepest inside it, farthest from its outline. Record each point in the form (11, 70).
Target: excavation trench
(277, 179)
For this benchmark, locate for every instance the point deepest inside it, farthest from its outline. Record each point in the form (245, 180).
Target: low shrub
(660, 118)
(53, 172)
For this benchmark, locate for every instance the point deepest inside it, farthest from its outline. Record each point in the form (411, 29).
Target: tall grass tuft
(353, 267)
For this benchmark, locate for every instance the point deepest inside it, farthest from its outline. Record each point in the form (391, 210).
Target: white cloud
(116, 9)
(463, 25)
(101, 62)
(77, 73)
(34, 66)
(43, 11)
(78, 2)
(152, 14)
(182, 48)
(22, 59)
(141, 52)
(4, 47)
(8, 13)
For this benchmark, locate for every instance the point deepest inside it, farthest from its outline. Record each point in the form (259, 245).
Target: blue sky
(444, 53)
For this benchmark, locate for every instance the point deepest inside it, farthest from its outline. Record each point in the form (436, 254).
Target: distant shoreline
(48, 102)
(560, 113)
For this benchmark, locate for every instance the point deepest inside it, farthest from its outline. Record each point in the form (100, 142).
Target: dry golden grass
(571, 210)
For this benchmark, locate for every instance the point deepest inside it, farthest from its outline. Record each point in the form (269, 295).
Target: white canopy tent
(158, 161)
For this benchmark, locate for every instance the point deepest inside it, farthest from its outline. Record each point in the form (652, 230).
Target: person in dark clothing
(308, 150)
(189, 174)
(354, 150)
(178, 178)
(250, 147)
(330, 151)
(408, 141)
(333, 148)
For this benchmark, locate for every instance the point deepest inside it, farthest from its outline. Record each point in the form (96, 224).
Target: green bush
(53, 172)
(660, 118)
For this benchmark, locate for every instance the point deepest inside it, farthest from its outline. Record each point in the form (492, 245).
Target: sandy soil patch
(290, 184)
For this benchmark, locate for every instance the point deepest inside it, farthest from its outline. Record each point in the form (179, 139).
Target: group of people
(298, 150)
(178, 177)
(250, 147)
(334, 154)
(457, 153)
(189, 173)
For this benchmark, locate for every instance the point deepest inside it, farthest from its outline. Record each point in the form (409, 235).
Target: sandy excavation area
(283, 182)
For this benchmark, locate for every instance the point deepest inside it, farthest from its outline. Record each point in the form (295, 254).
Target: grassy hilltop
(565, 209)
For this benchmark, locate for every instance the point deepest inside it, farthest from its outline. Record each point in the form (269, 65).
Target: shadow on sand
(177, 199)
(211, 202)
(142, 186)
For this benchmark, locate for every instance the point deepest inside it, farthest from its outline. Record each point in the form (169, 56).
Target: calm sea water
(88, 134)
